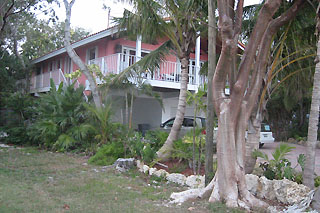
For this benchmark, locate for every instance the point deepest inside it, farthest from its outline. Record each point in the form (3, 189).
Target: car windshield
(265, 128)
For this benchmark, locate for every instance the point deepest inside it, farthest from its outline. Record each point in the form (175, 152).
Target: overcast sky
(89, 14)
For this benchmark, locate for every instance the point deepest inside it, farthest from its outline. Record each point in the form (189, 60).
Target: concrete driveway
(293, 155)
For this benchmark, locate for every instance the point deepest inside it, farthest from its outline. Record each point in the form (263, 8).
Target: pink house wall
(107, 46)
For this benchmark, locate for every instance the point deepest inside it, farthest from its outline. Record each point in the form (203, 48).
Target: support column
(197, 59)
(138, 48)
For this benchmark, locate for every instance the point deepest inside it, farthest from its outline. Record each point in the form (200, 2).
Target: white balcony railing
(167, 71)
(41, 83)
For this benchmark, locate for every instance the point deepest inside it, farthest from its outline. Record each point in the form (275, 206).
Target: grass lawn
(33, 180)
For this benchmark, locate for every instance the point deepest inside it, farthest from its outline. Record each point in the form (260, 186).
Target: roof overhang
(87, 40)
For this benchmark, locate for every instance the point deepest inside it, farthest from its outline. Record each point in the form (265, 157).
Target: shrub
(61, 121)
(107, 154)
(156, 138)
(148, 154)
(279, 167)
(19, 114)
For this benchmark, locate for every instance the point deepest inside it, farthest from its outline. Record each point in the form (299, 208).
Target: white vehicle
(265, 135)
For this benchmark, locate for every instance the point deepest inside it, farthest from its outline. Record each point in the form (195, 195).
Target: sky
(90, 15)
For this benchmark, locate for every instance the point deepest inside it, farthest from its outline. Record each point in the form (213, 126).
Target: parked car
(265, 135)
(187, 124)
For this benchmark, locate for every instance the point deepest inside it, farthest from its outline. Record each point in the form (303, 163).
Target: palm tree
(308, 174)
(179, 21)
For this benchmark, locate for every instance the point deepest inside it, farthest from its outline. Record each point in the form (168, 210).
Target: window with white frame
(92, 54)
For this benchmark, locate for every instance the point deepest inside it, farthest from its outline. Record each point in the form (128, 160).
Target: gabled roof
(86, 40)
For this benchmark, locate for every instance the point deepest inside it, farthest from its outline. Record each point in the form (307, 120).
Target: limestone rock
(152, 170)
(177, 178)
(140, 165)
(316, 200)
(161, 173)
(265, 189)
(145, 169)
(289, 192)
(291, 140)
(125, 163)
(252, 183)
(195, 181)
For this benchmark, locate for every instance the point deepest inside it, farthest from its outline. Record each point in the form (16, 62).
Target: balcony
(41, 82)
(168, 75)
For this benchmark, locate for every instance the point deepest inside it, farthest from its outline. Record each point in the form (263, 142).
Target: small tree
(197, 100)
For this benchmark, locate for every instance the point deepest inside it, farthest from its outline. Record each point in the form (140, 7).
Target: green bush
(156, 138)
(148, 154)
(61, 122)
(19, 115)
(279, 167)
(317, 181)
(108, 154)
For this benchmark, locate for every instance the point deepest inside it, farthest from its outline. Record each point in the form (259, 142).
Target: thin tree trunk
(199, 157)
(252, 143)
(76, 59)
(308, 174)
(210, 108)
(131, 109)
(127, 110)
(194, 140)
(165, 151)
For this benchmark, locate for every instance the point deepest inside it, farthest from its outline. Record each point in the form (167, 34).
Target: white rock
(252, 183)
(152, 170)
(289, 192)
(195, 181)
(177, 178)
(145, 169)
(265, 189)
(140, 165)
(161, 173)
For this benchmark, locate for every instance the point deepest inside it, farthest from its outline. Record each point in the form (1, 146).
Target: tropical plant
(279, 167)
(181, 28)
(61, 120)
(197, 100)
(19, 114)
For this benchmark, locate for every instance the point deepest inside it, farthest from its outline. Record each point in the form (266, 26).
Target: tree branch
(261, 64)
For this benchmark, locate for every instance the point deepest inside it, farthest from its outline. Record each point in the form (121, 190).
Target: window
(92, 54)
(188, 122)
(51, 65)
(38, 72)
(59, 62)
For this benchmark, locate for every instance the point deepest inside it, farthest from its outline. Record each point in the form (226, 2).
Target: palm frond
(147, 64)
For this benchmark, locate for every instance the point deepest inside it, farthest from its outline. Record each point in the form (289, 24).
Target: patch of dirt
(177, 166)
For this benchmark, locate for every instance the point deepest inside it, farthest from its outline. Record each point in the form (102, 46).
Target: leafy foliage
(108, 154)
(279, 167)
(61, 120)
(19, 113)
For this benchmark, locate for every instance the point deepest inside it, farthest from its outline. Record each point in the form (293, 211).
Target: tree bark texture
(308, 174)
(252, 142)
(210, 109)
(76, 59)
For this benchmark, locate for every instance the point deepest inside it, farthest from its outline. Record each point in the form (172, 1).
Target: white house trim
(82, 42)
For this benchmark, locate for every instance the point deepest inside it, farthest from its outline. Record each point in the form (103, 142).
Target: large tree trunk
(165, 151)
(308, 174)
(233, 111)
(76, 59)
(210, 109)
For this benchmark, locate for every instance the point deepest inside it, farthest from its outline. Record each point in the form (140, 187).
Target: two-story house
(113, 54)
